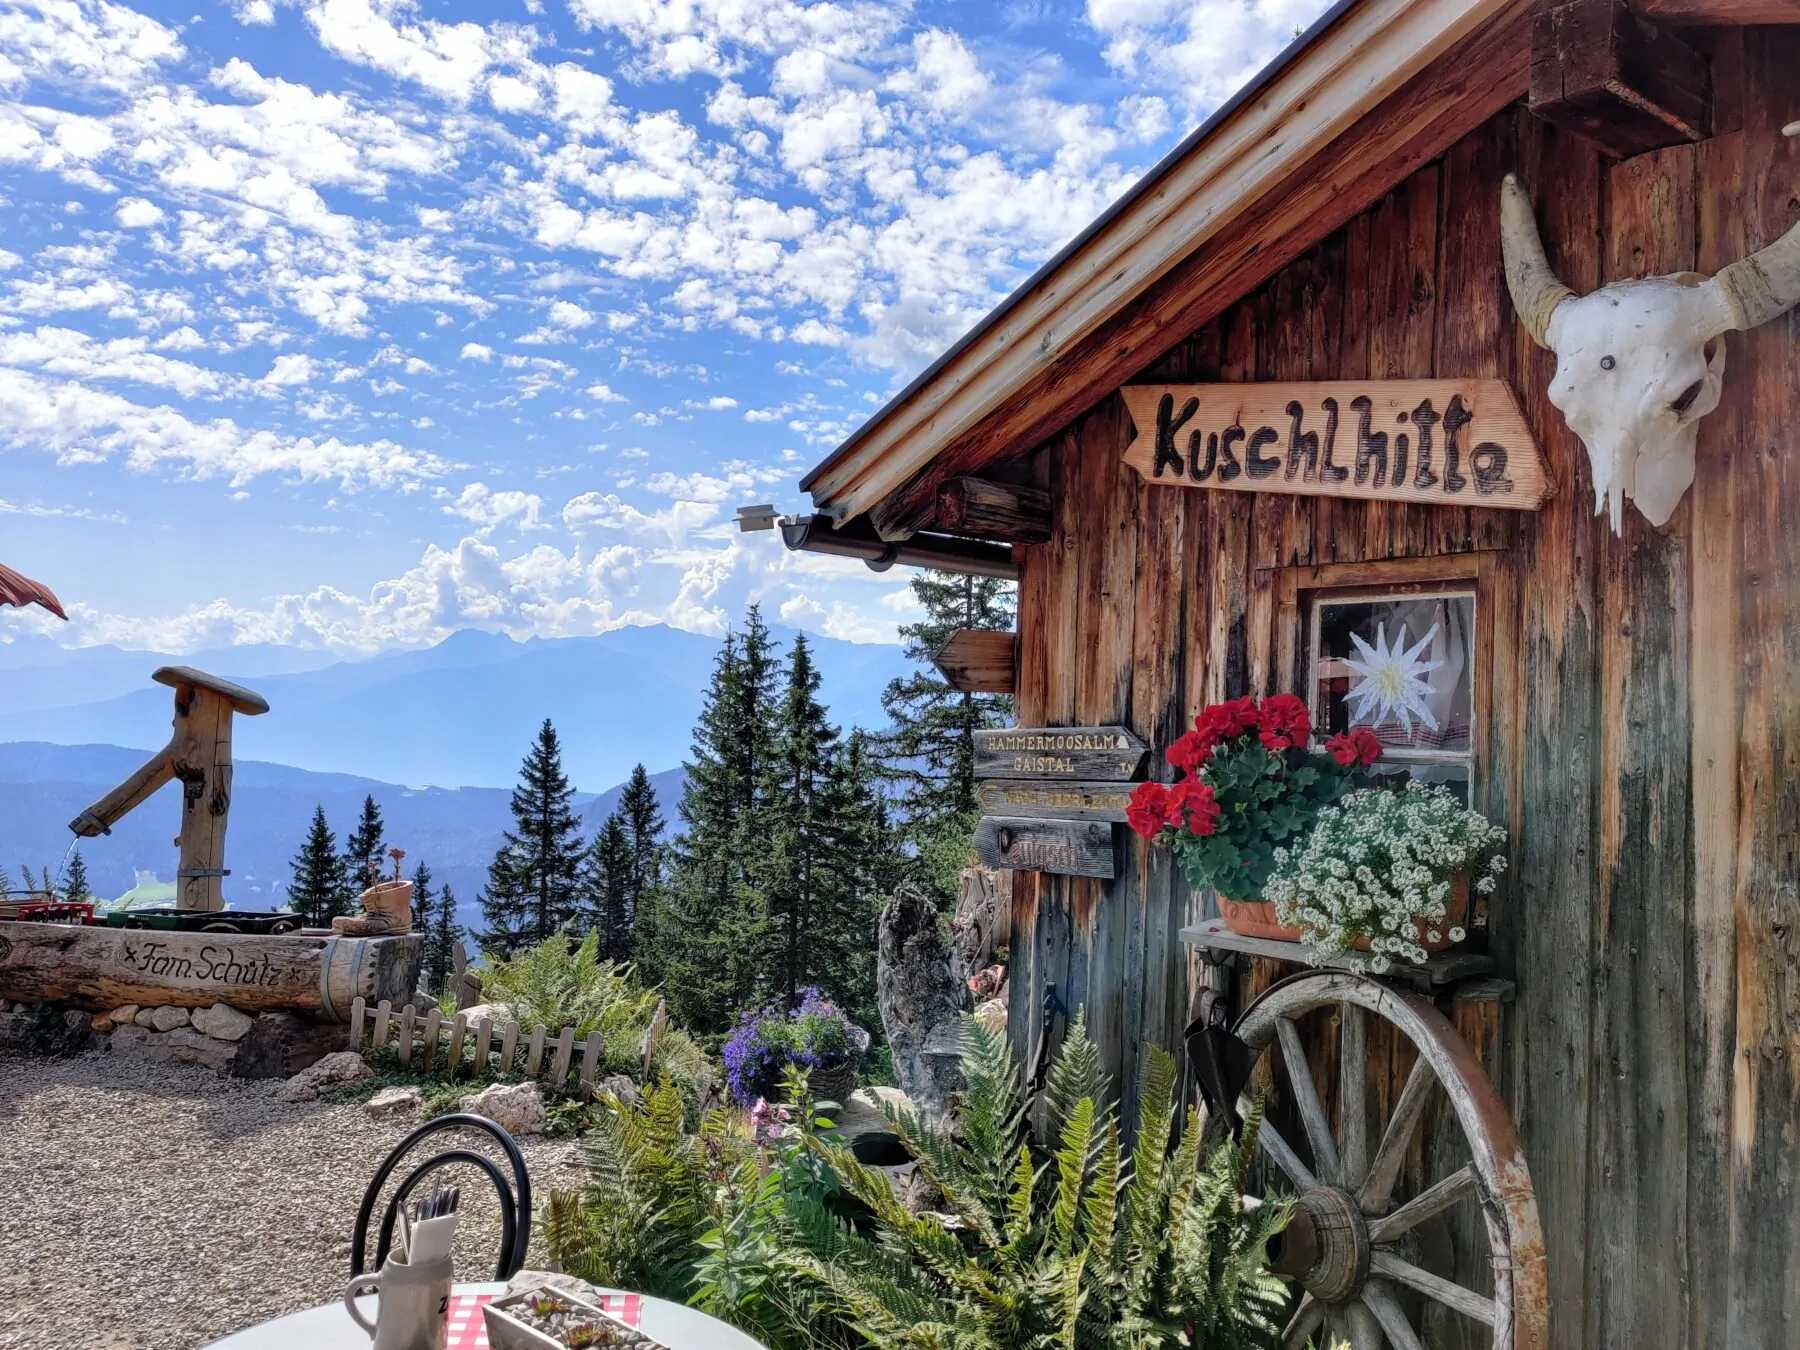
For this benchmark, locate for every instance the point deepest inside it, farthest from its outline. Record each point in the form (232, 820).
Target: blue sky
(350, 323)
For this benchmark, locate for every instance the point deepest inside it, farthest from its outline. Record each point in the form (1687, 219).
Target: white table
(330, 1327)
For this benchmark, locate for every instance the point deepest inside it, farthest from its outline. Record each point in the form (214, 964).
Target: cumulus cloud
(488, 509)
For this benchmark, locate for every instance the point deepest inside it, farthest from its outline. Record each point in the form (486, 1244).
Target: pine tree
(362, 850)
(435, 916)
(75, 881)
(319, 890)
(421, 898)
(641, 816)
(532, 882)
(705, 940)
(929, 748)
(606, 884)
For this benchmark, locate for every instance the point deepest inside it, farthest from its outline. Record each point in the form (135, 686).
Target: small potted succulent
(1387, 872)
(815, 1036)
(1250, 786)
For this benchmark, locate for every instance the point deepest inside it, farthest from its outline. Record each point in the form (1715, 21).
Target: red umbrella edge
(16, 589)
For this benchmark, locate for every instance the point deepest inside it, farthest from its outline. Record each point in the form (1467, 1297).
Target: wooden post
(590, 1063)
(565, 1051)
(534, 1060)
(383, 1011)
(484, 1039)
(407, 1019)
(357, 1010)
(433, 1021)
(1625, 84)
(509, 1043)
(986, 510)
(453, 1064)
(199, 755)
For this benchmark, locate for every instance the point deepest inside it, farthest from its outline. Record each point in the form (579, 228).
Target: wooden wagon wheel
(1347, 1242)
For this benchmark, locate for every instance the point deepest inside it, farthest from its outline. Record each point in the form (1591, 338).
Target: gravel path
(156, 1207)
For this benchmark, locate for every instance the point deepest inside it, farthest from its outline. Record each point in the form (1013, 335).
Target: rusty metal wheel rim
(1497, 1177)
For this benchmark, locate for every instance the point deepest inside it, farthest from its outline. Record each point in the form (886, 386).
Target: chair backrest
(515, 1199)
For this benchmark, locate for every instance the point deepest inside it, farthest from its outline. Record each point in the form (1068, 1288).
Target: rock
(123, 1016)
(145, 1018)
(395, 1103)
(181, 1045)
(497, 1013)
(517, 1108)
(342, 1066)
(167, 1019)
(618, 1085)
(102, 1022)
(921, 999)
(222, 1022)
(992, 1014)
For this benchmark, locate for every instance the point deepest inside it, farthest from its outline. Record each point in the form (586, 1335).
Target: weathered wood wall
(1643, 736)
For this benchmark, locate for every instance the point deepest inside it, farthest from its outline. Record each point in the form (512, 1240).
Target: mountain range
(402, 727)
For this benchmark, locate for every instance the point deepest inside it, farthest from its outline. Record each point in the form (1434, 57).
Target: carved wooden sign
(1053, 800)
(1104, 754)
(1438, 442)
(1071, 848)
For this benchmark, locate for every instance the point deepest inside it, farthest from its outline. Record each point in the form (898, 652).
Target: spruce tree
(362, 850)
(75, 880)
(705, 940)
(319, 889)
(606, 877)
(435, 915)
(421, 898)
(929, 747)
(533, 879)
(641, 816)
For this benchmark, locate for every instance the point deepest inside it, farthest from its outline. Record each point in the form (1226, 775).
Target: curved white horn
(1761, 287)
(1536, 292)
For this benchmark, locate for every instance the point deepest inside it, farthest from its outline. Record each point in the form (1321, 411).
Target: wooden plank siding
(1640, 726)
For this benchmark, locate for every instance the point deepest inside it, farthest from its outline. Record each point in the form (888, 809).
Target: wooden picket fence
(418, 1041)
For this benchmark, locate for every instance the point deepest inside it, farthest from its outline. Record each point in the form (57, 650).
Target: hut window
(1401, 662)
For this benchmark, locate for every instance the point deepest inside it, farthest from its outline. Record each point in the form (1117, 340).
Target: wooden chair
(515, 1198)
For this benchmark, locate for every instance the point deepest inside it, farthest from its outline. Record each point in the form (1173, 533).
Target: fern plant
(1077, 1247)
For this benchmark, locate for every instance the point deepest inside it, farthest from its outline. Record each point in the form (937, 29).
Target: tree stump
(921, 1000)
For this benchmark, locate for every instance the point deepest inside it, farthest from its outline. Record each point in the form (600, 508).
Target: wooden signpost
(1054, 801)
(979, 660)
(1072, 848)
(1438, 442)
(1101, 754)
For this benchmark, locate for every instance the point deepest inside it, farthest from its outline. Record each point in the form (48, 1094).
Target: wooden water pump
(199, 754)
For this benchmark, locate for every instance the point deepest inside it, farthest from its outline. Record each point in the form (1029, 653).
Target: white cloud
(488, 509)
(605, 393)
(136, 214)
(291, 368)
(1197, 51)
(567, 314)
(475, 351)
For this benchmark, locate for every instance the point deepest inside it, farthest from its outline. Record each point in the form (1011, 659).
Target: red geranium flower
(1189, 752)
(1222, 721)
(1284, 721)
(1193, 806)
(1148, 810)
(1357, 746)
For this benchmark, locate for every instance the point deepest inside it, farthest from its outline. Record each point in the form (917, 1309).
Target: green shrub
(560, 985)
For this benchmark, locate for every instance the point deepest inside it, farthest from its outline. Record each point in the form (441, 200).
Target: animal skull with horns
(1639, 363)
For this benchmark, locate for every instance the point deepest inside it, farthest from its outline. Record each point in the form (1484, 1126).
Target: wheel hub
(1325, 1246)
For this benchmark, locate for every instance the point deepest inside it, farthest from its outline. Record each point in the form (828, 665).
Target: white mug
(414, 1305)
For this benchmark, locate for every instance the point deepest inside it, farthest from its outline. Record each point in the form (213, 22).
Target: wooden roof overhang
(1370, 93)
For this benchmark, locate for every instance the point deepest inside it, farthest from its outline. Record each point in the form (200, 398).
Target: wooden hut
(1633, 714)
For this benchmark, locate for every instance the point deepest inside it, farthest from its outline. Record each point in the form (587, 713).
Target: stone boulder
(124, 1016)
(497, 1013)
(178, 1045)
(342, 1066)
(517, 1108)
(167, 1019)
(395, 1103)
(222, 1022)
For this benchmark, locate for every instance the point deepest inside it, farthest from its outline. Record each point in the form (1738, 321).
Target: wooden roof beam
(1382, 87)
(975, 508)
(1720, 12)
(1402, 133)
(1621, 81)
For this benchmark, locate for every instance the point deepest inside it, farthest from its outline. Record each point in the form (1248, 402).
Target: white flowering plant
(1380, 866)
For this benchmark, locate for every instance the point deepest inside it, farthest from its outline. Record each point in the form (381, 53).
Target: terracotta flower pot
(1255, 918)
(1456, 912)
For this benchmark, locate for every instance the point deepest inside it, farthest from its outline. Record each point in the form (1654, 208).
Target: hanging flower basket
(1250, 785)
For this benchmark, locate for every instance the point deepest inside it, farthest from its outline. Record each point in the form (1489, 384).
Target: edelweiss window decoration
(1390, 679)
(1639, 363)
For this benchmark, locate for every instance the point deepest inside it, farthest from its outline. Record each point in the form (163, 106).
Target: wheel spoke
(1380, 1300)
(1306, 1320)
(1353, 1057)
(1433, 1200)
(1388, 1158)
(1364, 1330)
(1306, 1097)
(1434, 1287)
(1285, 1158)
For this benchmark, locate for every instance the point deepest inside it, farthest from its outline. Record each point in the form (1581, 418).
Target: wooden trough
(102, 968)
